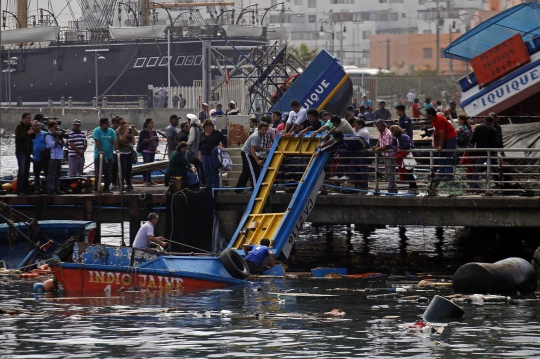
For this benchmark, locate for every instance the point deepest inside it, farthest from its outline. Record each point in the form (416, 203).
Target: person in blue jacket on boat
(145, 235)
(257, 254)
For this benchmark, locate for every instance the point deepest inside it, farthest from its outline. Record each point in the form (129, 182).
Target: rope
(186, 245)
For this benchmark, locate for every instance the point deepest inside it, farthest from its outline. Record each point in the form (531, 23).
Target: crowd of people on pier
(196, 148)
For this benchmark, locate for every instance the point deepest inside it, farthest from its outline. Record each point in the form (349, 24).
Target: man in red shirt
(447, 141)
(415, 109)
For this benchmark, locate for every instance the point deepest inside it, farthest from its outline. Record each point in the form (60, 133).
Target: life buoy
(234, 264)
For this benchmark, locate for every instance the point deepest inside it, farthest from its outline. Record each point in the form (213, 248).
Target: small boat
(106, 269)
(504, 53)
(16, 251)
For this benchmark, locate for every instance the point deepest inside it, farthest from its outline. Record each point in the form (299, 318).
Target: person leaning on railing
(403, 145)
(384, 146)
(446, 140)
(356, 164)
(484, 136)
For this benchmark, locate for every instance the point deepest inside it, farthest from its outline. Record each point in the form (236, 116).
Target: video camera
(428, 131)
(60, 132)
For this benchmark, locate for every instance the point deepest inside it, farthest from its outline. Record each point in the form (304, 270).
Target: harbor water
(250, 322)
(253, 322)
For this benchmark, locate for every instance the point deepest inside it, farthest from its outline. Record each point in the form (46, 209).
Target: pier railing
(506, 171)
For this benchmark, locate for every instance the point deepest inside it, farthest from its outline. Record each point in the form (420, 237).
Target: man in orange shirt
(447, 141)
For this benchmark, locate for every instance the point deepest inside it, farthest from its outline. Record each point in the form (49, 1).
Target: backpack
(225, 160)
(45, 153)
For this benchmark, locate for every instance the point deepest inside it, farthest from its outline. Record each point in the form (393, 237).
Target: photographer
(55, 142)
(77, 146)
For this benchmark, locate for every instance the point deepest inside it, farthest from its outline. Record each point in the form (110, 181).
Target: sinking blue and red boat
(110, 269)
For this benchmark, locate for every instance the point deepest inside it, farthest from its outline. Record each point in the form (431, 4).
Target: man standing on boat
(24, 134)
(145, 235)
(77, 146)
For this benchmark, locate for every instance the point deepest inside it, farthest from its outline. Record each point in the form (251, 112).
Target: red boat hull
(84, 281)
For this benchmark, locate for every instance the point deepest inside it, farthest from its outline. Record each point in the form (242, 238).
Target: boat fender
(507, 275)
(39, 288)
(50, 285)
(234, 264)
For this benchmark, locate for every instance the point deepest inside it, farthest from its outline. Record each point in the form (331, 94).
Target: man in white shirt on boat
(145, 235)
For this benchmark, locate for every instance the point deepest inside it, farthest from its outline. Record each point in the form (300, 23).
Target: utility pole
(449, 42)
(341, 57)
(388, 54)
(437, 42)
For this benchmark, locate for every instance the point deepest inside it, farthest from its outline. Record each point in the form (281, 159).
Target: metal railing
(454, 172)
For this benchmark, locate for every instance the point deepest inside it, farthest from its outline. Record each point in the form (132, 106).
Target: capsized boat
(100, 268)
(504, 53)
(21, 246)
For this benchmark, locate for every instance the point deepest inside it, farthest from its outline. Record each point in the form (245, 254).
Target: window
(341, 1)
(152, 61)
(383, 1)
(305, 35)
(393, 16)
(312, 3)
(365, 35)
(298, 2)
(427, 53)
(273, 2)
(403, 15)
(198, 60)
(382, 16)
(164, 61)
(180, 61)
(312, 18)
(426, 31)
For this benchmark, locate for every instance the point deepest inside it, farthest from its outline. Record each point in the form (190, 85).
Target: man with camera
(55, 142)
(76, 147)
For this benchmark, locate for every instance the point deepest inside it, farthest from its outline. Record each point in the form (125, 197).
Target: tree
(303, 53)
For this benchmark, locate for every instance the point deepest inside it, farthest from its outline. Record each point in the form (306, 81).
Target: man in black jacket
(484, 136)
(24, 134)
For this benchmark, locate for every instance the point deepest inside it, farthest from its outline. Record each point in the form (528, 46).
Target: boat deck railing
(506, 171)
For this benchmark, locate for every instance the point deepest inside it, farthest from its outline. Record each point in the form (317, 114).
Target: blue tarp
(521, 19)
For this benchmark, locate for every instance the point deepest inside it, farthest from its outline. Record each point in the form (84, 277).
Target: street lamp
(9, 61)
(97, 57)
(321, 32)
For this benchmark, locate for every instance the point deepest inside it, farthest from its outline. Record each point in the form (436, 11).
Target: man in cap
(172, 134)
(404, 121)
(203, 114)
(382, 113)
(76, 147)
(451, 111)
(145, 235)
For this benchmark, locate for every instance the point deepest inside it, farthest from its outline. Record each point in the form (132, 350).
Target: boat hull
(128, 68)
(96, 279)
